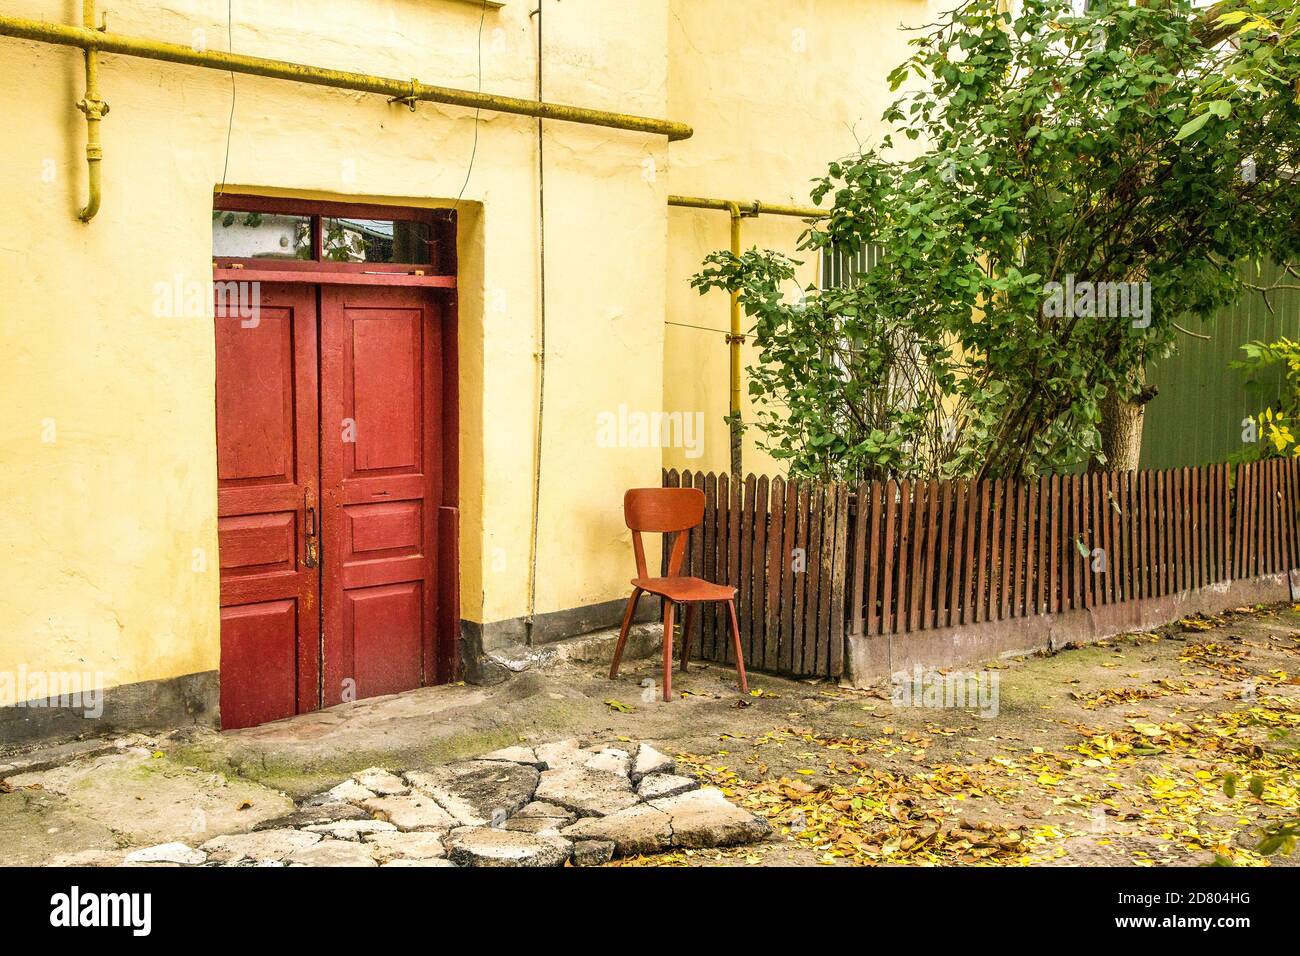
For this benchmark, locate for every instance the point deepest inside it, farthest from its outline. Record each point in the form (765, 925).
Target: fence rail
(814, 563)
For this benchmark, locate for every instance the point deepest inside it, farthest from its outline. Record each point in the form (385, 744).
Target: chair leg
(740, 656)
(622, 634)
(686, 635)
(668, 650)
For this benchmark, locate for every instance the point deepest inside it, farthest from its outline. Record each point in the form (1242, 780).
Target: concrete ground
(1173, 747)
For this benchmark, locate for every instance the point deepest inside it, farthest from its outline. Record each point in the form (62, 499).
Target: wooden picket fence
(814, 563)
(783, 545)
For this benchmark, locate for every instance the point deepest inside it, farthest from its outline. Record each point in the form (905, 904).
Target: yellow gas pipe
(735, 337)
(734, 340)
(95, 109)
(405, 91)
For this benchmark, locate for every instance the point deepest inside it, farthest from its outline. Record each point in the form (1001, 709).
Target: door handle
(311, 532)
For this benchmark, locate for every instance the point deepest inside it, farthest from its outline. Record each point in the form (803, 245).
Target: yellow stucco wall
(776, 90)
(107, 429)
(100, 527)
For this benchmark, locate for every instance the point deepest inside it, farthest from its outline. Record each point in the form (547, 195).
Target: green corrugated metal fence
(1197, 416)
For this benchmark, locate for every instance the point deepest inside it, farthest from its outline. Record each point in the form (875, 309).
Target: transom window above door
(273, 234)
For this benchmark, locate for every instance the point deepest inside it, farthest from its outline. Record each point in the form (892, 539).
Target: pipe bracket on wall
(411, 98)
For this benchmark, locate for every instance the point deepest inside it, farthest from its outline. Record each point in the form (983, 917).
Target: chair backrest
(667, 510)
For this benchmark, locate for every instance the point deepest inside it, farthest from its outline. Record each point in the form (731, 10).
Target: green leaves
(1192, 126)
(1103, 149)
(1220, 109)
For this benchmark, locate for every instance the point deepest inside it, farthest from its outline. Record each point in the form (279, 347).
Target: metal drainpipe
(735, 337)
(95, 109)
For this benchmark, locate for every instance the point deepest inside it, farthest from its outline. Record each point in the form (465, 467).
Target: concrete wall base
(872, 658)
(193, 699)
(488, 650)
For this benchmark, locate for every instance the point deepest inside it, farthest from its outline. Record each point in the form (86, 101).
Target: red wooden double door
(331, 481)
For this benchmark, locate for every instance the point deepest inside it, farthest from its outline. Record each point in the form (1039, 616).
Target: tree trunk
(1121, 426)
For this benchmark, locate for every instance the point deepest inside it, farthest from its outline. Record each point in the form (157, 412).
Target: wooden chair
(672, 511)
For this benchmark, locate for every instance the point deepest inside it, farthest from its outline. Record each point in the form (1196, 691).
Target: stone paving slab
(479, 792)
(331, 812)
(588, 793)
(351, 829)
(638, 829)
(262, 845)
(382, 782)
(484, 846)
(415, 811)
(333, 853)
(648, 761)
(180, 854)
(539, 806)
(704, 818)
(657, 786)
(389, 846)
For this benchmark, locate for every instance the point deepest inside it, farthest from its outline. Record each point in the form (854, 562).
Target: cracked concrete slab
(588, 793)
(477, 792)
(481, 812)
(638, 829)
(264, 845)
(390, 845)
(657, 786)
(705, 818)
(485, 846)
(414, 811)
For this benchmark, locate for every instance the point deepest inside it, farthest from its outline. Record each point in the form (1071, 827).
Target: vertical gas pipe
(734, 339)
(95, 110)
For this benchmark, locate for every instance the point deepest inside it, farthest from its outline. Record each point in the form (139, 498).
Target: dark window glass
(376, 240)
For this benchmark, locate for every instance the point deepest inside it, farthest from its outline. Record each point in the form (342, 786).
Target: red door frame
(441, 645)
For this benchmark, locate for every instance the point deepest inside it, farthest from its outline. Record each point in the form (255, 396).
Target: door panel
(258, 663)
(385, 625)
(382, 484)
(267, 455)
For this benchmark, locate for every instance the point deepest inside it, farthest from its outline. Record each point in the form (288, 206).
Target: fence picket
(789, 583)
(746, 553)
(830, 653)
(873, 563)
(889, 557)
(758, 572)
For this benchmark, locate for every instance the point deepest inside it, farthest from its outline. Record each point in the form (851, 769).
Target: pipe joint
(95, 109)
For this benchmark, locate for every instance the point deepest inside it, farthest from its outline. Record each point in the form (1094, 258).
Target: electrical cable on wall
(474, 150)
(541, 347)
(230, 124)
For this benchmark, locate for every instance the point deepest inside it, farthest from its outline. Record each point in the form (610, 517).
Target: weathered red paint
(266, 473)
(381, 480)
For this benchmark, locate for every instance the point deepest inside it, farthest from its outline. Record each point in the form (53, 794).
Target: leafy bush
(1148, 146)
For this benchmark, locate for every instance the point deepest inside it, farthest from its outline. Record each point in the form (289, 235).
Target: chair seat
(685, 589)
